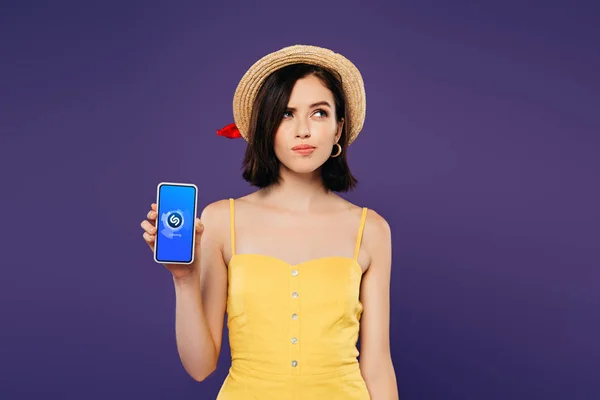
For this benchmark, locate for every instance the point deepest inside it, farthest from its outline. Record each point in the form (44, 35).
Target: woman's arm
(201, 299)
(375, 358)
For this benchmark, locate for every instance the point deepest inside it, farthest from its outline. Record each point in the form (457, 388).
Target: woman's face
(304, 140)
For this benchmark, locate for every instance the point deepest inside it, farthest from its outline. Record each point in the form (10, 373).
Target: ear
(339, 130)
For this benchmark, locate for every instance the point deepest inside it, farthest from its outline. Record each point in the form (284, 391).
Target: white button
(294, 340)
(294, 272)
(294, 316)
(295, 295)
(294, 363)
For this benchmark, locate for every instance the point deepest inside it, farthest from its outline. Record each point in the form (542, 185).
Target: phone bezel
(194, 219)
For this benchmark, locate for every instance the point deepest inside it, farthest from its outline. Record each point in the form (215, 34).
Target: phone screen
(175, 221)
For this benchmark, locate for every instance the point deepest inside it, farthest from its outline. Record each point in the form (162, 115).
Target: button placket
(294, 315)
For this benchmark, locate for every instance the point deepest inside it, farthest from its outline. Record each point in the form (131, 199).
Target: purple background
(480, 148)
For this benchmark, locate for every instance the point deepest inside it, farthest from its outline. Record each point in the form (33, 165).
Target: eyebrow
(320, 103)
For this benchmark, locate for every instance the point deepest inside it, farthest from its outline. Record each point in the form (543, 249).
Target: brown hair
(260, 165)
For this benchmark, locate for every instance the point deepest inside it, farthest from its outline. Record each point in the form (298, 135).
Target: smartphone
(175, 223)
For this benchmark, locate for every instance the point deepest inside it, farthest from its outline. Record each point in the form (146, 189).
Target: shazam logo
(175, 220)
(172, 221)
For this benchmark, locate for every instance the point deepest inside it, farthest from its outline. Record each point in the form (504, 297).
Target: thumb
(199, 227)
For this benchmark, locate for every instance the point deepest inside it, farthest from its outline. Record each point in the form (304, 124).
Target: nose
(303, 130)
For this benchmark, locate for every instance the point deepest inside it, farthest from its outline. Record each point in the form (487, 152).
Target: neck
(297, 192)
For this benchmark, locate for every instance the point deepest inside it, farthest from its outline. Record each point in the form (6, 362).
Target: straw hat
(252, 80)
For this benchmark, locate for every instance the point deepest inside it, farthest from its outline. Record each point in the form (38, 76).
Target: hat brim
(351, 78)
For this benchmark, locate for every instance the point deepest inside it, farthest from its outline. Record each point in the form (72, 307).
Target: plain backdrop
(479, 147)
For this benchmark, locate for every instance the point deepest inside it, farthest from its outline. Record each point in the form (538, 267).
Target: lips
(303, 149)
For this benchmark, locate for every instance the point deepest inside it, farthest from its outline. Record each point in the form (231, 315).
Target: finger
(151, 215)
(148, 227)
(153, 206)
(149, 239)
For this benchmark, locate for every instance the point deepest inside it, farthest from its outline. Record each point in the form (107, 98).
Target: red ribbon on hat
(230, 131)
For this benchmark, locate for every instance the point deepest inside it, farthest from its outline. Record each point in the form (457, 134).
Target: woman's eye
(323, 113)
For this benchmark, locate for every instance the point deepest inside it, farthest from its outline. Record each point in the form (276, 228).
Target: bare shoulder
(377, 237)
(215, 218)
(376, 230)
(376, 227)
(215, 211)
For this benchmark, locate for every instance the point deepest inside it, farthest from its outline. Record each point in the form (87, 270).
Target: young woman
(299, 270)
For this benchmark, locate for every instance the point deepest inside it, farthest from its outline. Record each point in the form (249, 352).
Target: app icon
(172, 221)
(175, 219)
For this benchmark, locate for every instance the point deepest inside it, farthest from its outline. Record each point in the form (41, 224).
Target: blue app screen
(175, 223)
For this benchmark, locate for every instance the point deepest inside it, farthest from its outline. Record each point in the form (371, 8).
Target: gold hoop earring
(339, 150)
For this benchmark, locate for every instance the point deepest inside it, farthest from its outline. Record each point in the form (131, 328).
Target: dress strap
(232, 225)
(361, 228)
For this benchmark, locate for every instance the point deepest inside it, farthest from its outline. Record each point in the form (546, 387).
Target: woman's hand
(179, 271)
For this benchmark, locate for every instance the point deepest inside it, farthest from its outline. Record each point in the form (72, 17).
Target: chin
(304, 171)
(306, 167)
